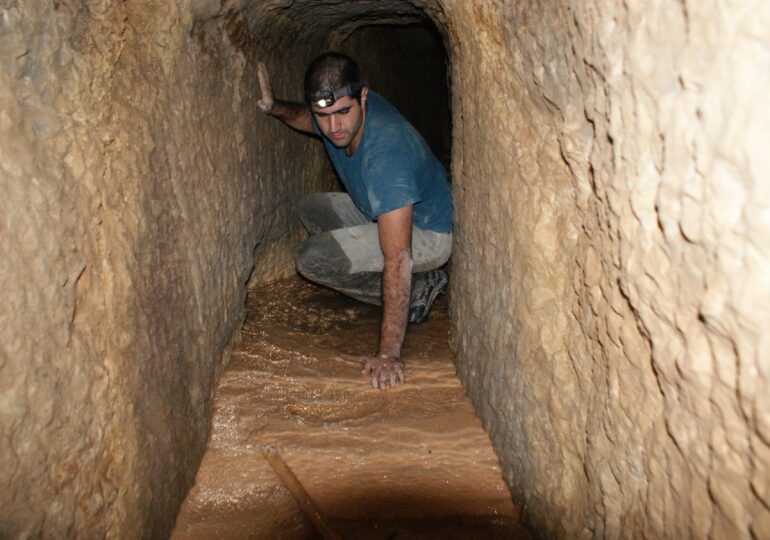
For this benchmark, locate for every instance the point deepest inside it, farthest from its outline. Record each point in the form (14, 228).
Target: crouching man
(384, 241)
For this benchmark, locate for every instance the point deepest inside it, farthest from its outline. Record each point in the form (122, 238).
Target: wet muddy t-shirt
(393, 167)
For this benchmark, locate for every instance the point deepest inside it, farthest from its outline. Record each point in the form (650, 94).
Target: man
(396, 216)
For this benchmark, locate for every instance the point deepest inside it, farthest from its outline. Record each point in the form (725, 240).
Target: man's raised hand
(266, 103)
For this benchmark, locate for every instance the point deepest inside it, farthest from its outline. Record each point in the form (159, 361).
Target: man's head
(335, 91)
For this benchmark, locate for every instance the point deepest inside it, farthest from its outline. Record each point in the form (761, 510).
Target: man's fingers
(383, 373)
(264, 77)
(375, 373)
(265, 103)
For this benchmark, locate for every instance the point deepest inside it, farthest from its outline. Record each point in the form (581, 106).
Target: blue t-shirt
(393, 167)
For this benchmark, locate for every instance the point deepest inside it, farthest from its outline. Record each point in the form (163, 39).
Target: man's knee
(311, 200)
(320, 258)
(305, 257)
(308, 206)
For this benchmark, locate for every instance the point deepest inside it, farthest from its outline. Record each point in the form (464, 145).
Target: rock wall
(137, 190)
(612, 265)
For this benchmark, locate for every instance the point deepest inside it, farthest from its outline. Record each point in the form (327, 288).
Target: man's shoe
(435, 283)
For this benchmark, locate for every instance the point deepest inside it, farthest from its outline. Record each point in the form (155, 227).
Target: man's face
(341, 123)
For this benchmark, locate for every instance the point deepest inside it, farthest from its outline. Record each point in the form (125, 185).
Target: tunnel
(609, 298)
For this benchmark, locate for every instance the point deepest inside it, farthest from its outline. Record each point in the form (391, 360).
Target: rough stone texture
(612, 272)
(136, 190)
(610, 279)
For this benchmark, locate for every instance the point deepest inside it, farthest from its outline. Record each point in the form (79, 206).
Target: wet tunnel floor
(411, 462)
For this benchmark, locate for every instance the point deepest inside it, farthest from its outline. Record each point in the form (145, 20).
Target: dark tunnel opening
(408, 65)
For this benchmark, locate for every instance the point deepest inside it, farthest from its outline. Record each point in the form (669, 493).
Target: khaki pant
(343, 250)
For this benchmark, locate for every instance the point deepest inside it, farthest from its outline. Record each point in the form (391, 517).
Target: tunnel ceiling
(342, 17)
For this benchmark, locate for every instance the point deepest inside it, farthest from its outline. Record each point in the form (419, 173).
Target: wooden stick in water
(298, 492)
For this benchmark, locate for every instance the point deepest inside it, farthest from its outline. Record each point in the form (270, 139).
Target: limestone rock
(610, 281)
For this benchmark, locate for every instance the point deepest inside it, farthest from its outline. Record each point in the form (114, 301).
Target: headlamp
(327, 98)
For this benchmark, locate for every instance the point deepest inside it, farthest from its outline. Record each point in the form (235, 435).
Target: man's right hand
(384, 372)
(266, 103)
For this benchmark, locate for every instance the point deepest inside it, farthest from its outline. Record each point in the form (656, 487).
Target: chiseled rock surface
(135, 193)
(612, 272)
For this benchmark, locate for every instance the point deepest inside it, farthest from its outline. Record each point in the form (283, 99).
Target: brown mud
(411, 462)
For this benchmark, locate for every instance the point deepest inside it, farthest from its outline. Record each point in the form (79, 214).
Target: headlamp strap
(327, 99)
(348, 90)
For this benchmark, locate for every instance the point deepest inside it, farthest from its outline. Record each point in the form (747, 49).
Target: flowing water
(410, 462)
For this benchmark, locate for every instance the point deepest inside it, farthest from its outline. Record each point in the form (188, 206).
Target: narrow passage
(412, 462)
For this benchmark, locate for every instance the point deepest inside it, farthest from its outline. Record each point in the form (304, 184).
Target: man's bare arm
(395, 233)
(294, 115)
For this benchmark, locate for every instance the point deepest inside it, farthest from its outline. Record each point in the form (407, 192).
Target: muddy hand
(266, 102)
(384, 372)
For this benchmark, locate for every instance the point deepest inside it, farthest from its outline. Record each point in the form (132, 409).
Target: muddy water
(412, 462)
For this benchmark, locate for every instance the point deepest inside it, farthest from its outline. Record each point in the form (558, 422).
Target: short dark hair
(329, 72)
